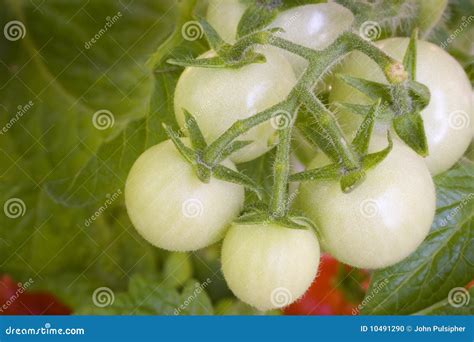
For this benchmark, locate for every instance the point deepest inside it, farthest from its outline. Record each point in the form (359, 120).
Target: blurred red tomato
(337, 290)
(15, 299)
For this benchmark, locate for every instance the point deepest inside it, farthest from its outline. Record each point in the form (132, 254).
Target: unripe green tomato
(268, 266)
(171, 208)
(447, 118)
(315, 26)
(381, 221)
(217, 98)
(224, 17)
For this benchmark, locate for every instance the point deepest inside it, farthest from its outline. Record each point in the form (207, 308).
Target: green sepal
(256, 17)
(410, 129)
(361, 140)
(233, 147)
(195, 133)
(213, 38)
(385, 113)
(328, 172)
(373, 90)
(254, 217)
(224, 173)
(185, 151)
(350, 181)
(372, 160)
(220, 62)
(420, 95)
(409, 60)
(294, 222)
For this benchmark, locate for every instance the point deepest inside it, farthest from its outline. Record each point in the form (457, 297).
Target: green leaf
(153, 296)
(463, 305)
(445, 260)
(409, 60)
(108, 166)
(411, 130)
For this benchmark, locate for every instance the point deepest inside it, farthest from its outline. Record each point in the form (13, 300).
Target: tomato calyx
(193, 155)
(228, 56)
(403, 99)
(349, 179)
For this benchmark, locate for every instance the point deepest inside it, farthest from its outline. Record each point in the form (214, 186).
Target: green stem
(281, 172)
(292, 47)
(214, 150)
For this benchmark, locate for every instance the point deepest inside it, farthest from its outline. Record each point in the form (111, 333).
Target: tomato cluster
(379, 223)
